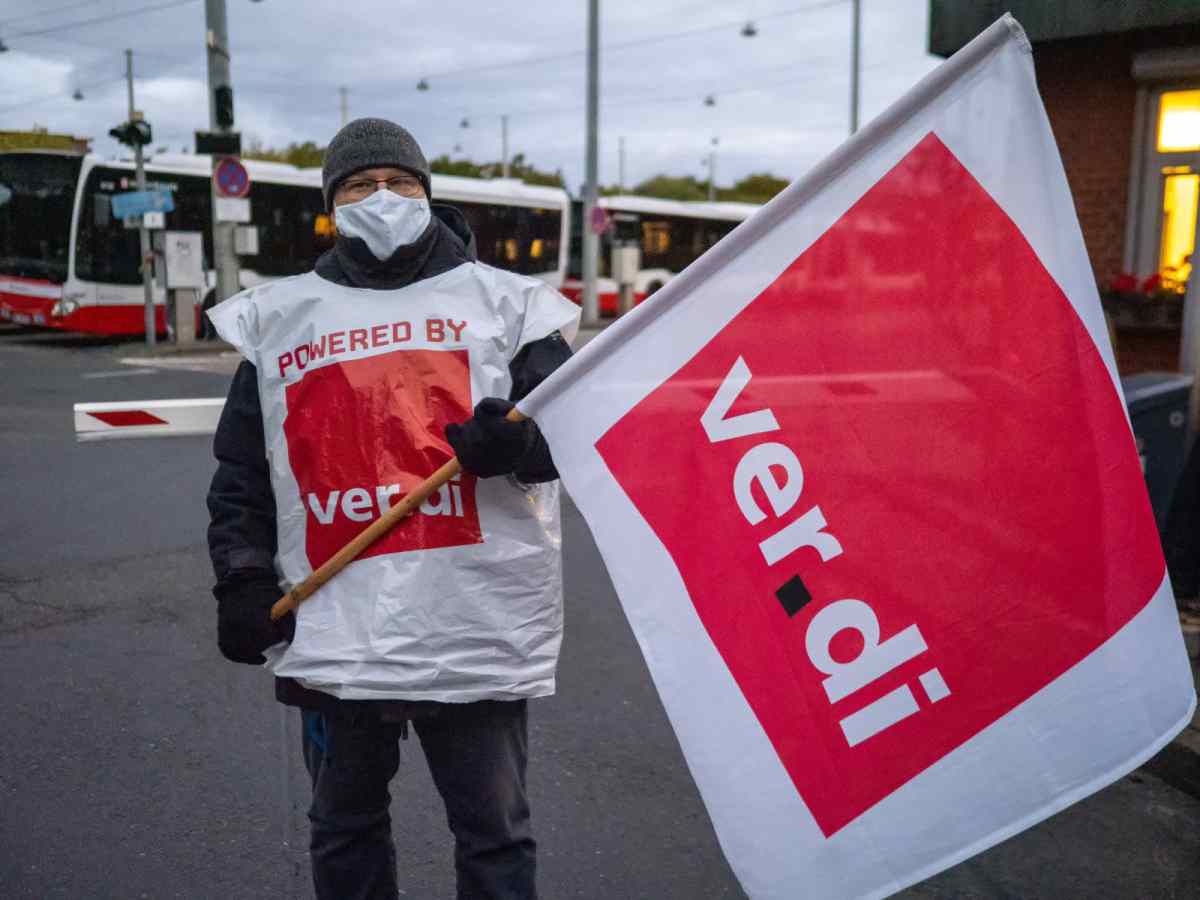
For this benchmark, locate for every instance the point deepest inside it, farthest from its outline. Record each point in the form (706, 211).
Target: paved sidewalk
(1190, 736)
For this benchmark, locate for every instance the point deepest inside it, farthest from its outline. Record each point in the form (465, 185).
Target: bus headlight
(64, 307)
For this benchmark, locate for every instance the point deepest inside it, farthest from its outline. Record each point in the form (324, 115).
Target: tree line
(755, 188)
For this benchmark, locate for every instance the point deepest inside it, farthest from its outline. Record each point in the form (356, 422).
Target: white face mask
(385, 221)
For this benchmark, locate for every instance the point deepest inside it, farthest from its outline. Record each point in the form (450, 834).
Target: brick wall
(1089, 93)
(1090, 96)
(1147, 351)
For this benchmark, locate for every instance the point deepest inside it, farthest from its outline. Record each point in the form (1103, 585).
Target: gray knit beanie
(368, 144)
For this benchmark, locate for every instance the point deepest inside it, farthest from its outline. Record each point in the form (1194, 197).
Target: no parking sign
(231, 178)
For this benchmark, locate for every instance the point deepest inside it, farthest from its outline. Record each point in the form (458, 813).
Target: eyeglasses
(360, 188)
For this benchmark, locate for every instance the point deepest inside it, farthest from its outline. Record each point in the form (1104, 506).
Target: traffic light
(133, 134)
(224, 106)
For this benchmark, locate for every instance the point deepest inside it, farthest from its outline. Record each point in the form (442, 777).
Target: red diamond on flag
(957, 430)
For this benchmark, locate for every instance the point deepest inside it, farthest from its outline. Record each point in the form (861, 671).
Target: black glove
(487, 444)
(244, 626)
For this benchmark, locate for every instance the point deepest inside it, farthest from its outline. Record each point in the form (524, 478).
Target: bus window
(108, 252)
(295, 229)
(545, 234)
(520, 239)
(37, 193)
(193, 200)
(289, 239)
(656, 242)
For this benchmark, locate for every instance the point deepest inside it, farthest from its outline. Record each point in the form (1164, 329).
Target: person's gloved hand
(244, 626)
(487, 444)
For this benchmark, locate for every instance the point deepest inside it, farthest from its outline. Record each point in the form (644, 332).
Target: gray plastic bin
(1158, 409)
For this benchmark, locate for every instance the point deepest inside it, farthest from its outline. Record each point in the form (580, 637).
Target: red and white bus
(669, 233)
(66, 262)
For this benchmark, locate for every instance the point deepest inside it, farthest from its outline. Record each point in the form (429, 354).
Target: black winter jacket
(241, 504)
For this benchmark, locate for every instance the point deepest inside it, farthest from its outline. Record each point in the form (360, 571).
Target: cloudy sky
(781, 98)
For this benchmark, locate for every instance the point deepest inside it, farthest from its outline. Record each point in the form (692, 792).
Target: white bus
(669, 233)
(67, 263)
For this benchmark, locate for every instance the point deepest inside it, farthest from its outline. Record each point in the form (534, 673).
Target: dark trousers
(476, 753)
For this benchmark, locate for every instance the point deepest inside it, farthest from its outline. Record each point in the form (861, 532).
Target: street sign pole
(143, 234)
(217, 42)
(591, 240)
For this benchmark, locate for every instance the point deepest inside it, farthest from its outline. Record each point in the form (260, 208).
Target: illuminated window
(536, 248)
(1179, 121)
(512, 250)
(1181, 189)
(656, 237)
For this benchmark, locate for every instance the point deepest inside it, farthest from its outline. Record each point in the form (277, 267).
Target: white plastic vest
(462, 601)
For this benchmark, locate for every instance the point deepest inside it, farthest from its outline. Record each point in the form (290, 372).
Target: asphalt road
(137, 763)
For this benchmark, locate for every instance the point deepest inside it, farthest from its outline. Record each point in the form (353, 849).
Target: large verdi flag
(864, 482)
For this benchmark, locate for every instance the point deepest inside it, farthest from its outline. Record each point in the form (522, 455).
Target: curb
(196, 348)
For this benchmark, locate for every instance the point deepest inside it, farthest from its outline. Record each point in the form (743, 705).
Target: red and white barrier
(147, 418)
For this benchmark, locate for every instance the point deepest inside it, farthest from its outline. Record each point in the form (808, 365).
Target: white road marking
(211, 363)
(120, 373)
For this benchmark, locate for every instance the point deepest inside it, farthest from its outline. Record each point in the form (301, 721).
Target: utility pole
(504, 146)
(220, 120)
(712, 171)
(621, 164)
(591, 240)
(855, 41)
(143, 235)
(345, 107)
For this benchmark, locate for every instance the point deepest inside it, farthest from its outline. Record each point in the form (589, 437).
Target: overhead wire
(289, 83)
(638, 100)
(8, 20)
(651, 39)
(292, 84)
(48, 98)
(111, 17)
(88, 85)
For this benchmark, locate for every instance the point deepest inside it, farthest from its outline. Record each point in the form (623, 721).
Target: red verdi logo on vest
(363, 433)
(829, 445)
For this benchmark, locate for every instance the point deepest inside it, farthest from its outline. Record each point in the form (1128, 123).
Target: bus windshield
(37, 193)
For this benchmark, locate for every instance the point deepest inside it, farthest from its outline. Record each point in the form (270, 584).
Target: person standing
(360, 379)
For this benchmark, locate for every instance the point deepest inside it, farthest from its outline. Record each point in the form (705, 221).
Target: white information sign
(245, 240)
(183, 252)
(233, 209)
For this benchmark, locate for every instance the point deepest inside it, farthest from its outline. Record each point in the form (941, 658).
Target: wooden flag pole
(370, 534)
